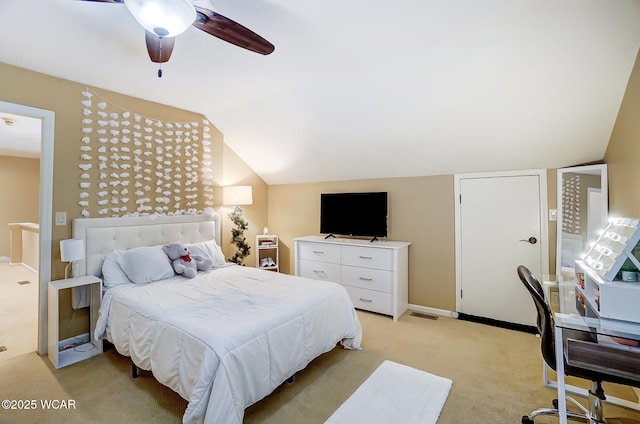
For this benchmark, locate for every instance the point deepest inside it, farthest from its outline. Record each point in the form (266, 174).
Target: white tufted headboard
(102, 235)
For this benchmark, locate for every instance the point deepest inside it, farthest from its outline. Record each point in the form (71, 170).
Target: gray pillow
(145, 264)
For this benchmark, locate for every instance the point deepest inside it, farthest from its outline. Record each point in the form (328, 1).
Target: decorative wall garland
(142, 165)
(571, 205)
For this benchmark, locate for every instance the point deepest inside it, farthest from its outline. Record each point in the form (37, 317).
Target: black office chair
(594, 414)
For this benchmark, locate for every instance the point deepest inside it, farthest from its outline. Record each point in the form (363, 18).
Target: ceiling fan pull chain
(160, 63)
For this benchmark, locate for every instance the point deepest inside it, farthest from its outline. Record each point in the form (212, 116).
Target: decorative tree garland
(237, 236)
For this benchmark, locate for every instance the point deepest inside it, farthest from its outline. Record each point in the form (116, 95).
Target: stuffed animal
(183, 262)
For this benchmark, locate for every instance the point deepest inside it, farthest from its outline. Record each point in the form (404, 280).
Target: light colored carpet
(395, 393)
(18, 310)
(496, 373)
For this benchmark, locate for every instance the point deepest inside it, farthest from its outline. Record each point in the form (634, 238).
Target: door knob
(531, 240)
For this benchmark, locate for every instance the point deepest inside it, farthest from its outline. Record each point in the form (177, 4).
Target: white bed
(223, 340)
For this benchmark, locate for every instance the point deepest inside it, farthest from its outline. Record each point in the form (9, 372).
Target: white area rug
(395, 393)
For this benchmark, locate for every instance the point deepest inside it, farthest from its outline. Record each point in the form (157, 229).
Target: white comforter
(229, 337)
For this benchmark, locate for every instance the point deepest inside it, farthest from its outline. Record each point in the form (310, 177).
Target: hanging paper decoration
(164, 161)
(571, 194)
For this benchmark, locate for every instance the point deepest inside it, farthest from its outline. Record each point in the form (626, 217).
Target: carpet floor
(18, 311)
(496, 374)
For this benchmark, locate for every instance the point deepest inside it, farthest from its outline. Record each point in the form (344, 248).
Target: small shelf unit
(267, 252)
(82, 346)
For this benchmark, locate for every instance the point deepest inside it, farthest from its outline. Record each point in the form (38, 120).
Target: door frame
(544, 224)
(47, 117)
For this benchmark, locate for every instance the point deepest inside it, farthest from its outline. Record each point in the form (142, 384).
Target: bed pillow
(208, 249)
(145, 264)
(112, 274)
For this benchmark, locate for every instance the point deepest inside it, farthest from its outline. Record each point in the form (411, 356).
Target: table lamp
(71, 250)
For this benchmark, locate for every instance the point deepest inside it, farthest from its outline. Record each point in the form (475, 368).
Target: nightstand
(267, 252)
(82, 346)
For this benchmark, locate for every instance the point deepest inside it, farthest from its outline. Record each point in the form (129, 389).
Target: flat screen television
(354, 214)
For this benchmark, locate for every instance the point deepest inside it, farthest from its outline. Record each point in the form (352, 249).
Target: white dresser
(376, 274)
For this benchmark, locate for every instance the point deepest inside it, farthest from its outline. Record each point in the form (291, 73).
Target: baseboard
(481, 320)
(22, 264)
(432, 311)
(29, 268)
(497, 323)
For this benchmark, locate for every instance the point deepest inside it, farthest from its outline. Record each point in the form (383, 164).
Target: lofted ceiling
(365, 89)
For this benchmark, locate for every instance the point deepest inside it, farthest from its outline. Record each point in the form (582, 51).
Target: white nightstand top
(75, 281)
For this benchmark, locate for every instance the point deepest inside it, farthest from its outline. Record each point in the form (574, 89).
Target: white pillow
(208, 249)
(145, 264)
(112, 274)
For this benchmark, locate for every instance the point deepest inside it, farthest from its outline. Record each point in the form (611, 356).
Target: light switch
(553, 214)
(61, 218)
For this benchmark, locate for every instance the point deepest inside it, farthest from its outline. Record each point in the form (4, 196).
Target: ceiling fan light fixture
(165, 18)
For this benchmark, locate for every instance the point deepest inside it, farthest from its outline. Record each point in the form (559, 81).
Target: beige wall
(64, 98)
(19, 195)
(236, 172)
(421, 211)
(623, 153)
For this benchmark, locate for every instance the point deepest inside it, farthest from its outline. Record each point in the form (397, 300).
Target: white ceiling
(19, 135)
(365, 89)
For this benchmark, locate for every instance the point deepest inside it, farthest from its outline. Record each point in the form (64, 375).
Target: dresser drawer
(367, 278)
(323, 252)
(319, 270)
(371, 300)
(367, 257)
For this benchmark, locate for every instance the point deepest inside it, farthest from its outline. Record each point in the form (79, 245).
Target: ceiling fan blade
(159, 49)
(105, 1)
(232, 32)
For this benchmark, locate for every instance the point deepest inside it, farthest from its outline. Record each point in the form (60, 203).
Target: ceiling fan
(163, 20)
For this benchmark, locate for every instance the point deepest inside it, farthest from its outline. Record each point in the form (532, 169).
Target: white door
(499, 225)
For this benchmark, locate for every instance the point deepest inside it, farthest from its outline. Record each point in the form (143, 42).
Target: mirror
(583, 208)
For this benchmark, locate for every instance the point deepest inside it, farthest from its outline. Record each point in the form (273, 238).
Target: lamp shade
(71, 250)
(164, 18)
(237, 195)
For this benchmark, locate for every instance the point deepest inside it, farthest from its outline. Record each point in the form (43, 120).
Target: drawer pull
(366, 279)
(319, 252)
(319, 272)
(366, 257)
(366, 300)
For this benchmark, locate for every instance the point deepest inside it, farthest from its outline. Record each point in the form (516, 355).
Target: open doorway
(20, 147)
(45, 119)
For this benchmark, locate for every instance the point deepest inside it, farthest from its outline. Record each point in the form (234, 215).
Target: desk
(570, 317)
